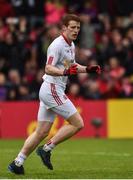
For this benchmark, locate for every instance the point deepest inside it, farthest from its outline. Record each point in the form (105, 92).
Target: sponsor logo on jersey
(68, 62)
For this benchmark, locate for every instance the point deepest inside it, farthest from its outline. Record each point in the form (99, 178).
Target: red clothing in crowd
(6, 9)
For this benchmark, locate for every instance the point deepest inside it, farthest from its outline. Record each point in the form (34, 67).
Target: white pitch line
(99, 153)
(112, 154)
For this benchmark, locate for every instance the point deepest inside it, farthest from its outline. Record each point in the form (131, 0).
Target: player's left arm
(77, 68)
(89, 69)
(81, 68)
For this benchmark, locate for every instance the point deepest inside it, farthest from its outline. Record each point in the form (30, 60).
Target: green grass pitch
(74, 159)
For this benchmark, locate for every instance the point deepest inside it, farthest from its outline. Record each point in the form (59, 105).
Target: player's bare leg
(30, 144)
(65, 132)
(68, 130)
(36, 137)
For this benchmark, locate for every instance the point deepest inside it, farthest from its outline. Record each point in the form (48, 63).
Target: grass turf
(74, 159)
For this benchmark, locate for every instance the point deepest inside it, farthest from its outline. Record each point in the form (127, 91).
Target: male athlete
(60, 64)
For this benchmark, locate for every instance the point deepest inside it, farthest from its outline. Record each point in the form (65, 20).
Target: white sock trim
(48, 147)
(20, 159)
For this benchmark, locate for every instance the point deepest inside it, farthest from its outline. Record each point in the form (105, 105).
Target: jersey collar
(67, 41)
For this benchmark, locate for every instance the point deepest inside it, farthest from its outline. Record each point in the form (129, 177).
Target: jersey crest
(67, 63)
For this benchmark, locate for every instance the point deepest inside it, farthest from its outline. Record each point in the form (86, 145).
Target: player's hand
(72, 70)
(93, 69)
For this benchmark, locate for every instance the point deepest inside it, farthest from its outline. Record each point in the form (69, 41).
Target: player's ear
(64, 27)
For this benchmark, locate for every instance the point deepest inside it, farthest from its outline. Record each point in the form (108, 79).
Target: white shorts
(54, 101)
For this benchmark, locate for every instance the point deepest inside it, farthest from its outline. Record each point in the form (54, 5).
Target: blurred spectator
(3, 89)
(74, 7)
(112, 89)
(4, 66)
(83, 55)
(11, 53)
(3, 30)
(127, 88)
(116, 70)
(14, 79)
(18, 6)
(113, 77)
(89, 8)
(35, 84)
(24, 7)
(23, 92)
(6, 9)
(92, 90)
(105, 23)
(74, 90)
(129, 34)
(51, 33)
(120, 24)
(12, 94)
(82, 78)
(23, 24)
(115, 47)
(102, 49)
(54, 10)
(87, 33)
(30, 71)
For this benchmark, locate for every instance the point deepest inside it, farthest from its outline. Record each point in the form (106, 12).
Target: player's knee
(76, 121)
(81, 126)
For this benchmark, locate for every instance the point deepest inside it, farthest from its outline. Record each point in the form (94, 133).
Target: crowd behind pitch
(103, 40)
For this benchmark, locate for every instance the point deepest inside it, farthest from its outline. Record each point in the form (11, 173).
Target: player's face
(72, 30)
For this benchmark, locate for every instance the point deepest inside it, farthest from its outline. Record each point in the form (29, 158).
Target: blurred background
(27, 27)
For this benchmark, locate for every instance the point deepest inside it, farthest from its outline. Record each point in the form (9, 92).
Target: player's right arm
(53, 71)
(53, 56)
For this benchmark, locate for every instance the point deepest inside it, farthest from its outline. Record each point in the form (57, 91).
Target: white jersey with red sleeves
(60, 54)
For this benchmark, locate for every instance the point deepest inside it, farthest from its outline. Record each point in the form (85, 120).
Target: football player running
(60, 64)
